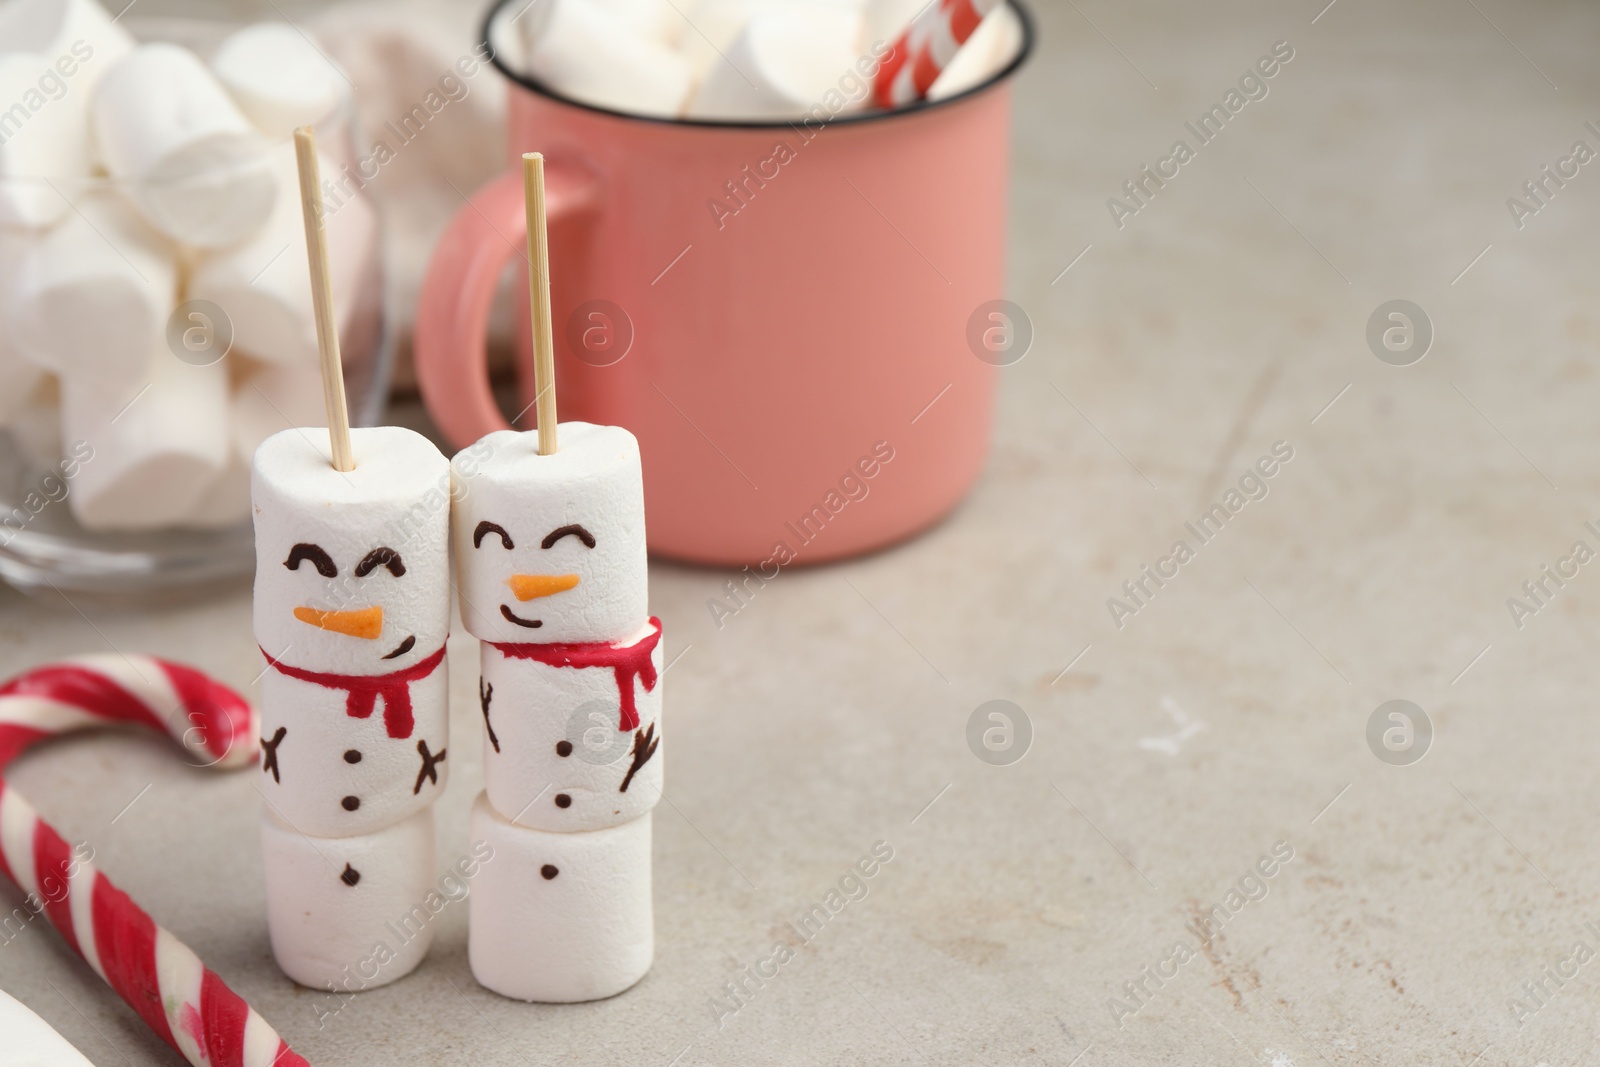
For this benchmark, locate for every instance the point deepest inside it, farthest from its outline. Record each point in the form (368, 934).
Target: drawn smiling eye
(485, 528)
(381, 557)
(313, 554)
(573, 530)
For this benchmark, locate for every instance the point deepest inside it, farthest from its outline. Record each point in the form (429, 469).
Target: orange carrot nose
(366, 623)
(533, 586)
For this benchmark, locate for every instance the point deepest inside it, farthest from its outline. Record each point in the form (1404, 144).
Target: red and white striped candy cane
(187, 1005)
(921, 53)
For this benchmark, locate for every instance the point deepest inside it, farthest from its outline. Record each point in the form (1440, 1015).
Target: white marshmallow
(348, 763)
(267, 399)
(655, 19)
(398, 498)
(32, 1042)
(886, 20)
(560, 918)
(157, 444)
(710, 30)
(22, 382)
(581, 50)
(264, 284)
(34, 154)
(53, 27)
(278, 78)
(506, 42)
(35, 423)
(334, 775)
(52, 54)
(276, 397)
(193, 163)
(992, 45)
(590, 490)
(226, 501)
(18, 377)
(92, 296)
(352, 913)
(555, 756)
(783, 63)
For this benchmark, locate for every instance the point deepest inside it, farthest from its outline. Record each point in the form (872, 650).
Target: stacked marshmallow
(551, 569)
(133, 179)
(352, 608)
(742, 60)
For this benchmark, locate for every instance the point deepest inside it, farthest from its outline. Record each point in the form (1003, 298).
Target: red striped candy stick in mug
(926, 47)
(186, 1004)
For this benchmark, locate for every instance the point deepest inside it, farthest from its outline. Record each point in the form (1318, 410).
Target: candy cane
(187, 1005)
(926, 47)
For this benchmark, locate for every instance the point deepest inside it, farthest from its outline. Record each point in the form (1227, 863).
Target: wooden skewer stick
(544, 352)
(305, 150)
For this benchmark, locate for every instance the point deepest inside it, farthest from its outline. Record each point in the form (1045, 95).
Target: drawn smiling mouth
(511, 616)
(405, 646)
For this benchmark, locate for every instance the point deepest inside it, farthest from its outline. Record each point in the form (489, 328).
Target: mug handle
(451, 335)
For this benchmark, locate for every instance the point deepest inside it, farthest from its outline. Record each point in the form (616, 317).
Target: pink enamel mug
(785, 314)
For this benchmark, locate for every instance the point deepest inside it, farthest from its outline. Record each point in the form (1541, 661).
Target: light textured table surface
(1227, 715)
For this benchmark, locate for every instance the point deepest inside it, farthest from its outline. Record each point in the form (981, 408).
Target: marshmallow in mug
(783, 63)
(157, 444)
(52, 54)
(352, 608)
(709, 29)
(278, 78)
(560, 918)
(581, 50)
(573, 747)
(886, 20)
(190, 159)
(551, 548)
(32, 1042)
(91, 297)
(992, 45)
(655, 19)
(349, 913)
(262, 284)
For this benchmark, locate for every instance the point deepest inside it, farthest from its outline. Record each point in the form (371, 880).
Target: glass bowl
(43, 545)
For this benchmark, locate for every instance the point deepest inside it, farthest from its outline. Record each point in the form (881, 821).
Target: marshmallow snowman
(352, 608)
(553, 578)
(552, 572)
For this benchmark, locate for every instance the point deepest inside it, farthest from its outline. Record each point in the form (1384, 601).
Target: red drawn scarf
(363, 690)
(628, 661)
